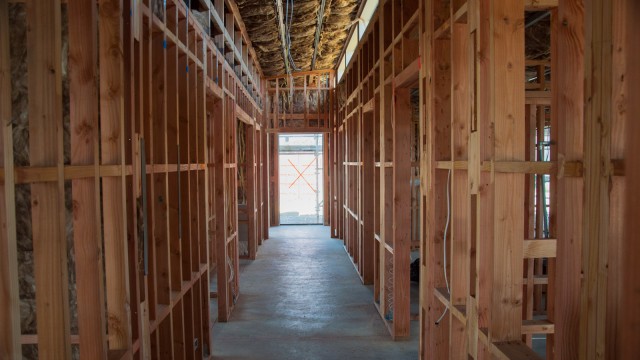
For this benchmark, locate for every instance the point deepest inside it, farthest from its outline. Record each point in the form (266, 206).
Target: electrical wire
(444, 247)
(293, 64)
(288, 20)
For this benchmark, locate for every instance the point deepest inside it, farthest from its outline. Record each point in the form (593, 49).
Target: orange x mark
(300, 174)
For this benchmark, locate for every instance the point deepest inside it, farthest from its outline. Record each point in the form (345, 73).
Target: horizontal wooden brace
(243, 116)
(537, 5)
(568, 169)
(301, 116)
(513, 350)
(29, 175)
(30, 339)
(409, 76)
(300, 73)
(537, 97)
(301, 88)
(302, 130)
(537, 280)
(369, 106)
(539, 248)
(537, 327)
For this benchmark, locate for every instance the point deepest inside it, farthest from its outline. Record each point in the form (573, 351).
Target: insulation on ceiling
(261, 20)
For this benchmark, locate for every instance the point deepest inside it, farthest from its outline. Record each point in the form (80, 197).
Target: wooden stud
(112, 153)
(551, 263)
(629, 313)
(367, 193)
(507, 74)
(46, 149)
(597, 180)
(569, 72)
(250, 186)
(83, 62)
(10, 347)
(460, 242)
(401, 211)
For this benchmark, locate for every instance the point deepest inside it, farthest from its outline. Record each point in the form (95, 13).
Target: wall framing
(144, 180)
(509, 271)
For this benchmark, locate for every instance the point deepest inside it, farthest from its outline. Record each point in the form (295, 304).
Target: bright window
(351, 46)
(341, 66)
(367, 13)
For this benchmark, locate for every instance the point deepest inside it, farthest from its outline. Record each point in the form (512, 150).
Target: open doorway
(301, 178)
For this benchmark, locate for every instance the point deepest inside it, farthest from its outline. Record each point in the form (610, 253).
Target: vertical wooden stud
(113, 193)
(10, 347)
(569, 77)
(83, 62)
(46, 149)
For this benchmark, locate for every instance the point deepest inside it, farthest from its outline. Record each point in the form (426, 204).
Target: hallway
(302, 299)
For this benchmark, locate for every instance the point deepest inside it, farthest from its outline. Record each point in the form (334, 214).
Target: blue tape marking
(187, 68)
(164, 44)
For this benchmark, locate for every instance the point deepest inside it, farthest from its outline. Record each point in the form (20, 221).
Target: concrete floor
(302, 299)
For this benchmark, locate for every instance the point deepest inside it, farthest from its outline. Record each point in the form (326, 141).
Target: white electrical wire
(444, 247)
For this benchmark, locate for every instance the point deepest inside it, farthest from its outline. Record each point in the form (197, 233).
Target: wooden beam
(409, 76)
(368, 197)
(459, 193)
(401, 210)
(83, 72)
(113, 189)
(47, 199)
(512, 350)
(539, 5)
(541, 248)
(10, 331)
(629, 313)
(250, 189)
(597, 239)
(537, 327)
(506, 104)
(569, 111)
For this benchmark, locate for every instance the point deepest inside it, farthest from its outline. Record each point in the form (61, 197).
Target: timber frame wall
(507, 279)
(374, 164)
(155, 102)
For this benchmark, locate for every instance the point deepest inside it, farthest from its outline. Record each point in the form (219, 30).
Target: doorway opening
(301, 176)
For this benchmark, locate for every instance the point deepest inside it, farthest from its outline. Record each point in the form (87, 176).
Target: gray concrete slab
(302, 299)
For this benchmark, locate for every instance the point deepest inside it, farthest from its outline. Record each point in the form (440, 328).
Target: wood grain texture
(507, 104)
(83, 71)
(618, 189)
(10, 347)
(401, 211)
(630, 313)
(112, 153)
(598, 122)
(460, 201)
(45, 149)
(368, 197)
(570, 114)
